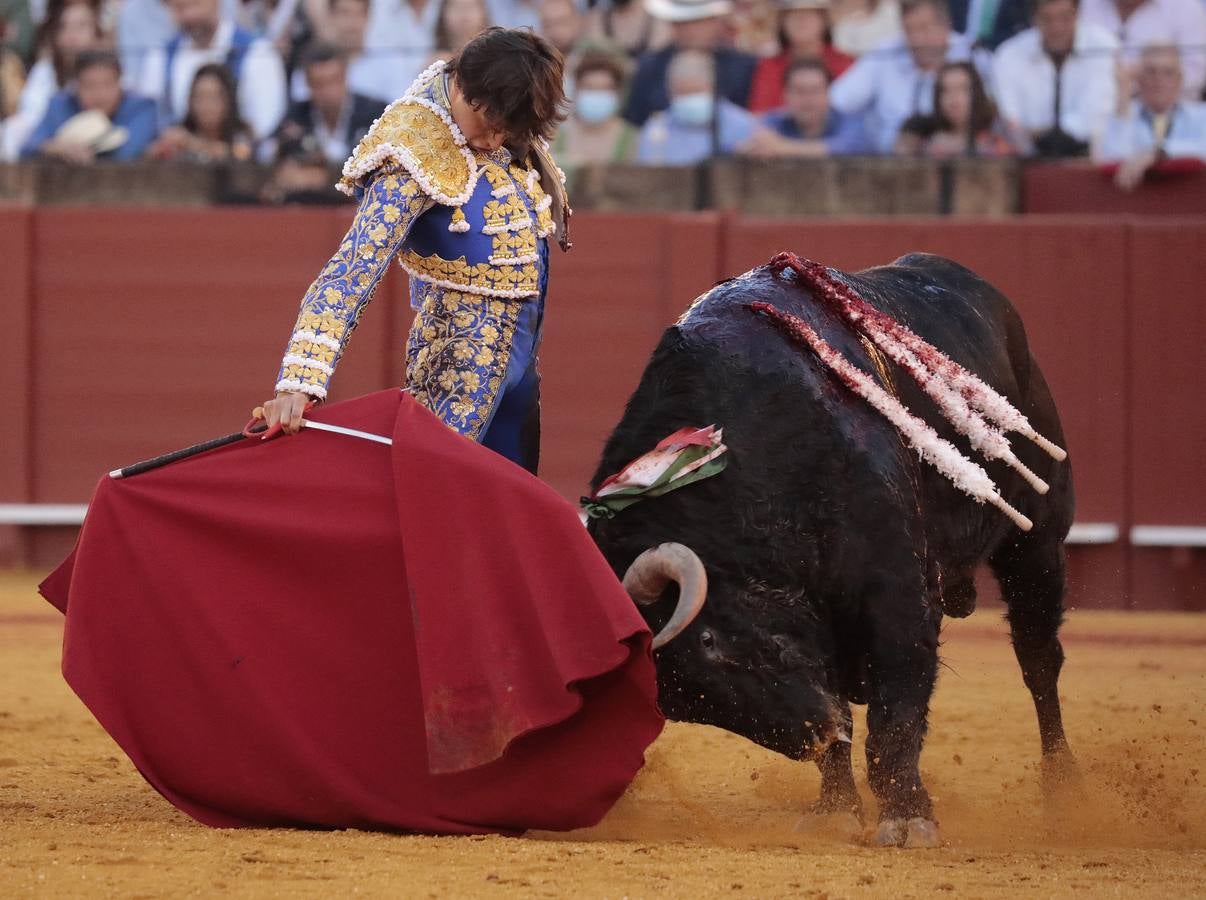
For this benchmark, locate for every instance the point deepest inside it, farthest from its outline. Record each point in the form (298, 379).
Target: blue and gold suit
(472, 233)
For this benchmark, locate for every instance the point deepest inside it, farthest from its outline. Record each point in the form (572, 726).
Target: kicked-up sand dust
(711, 814)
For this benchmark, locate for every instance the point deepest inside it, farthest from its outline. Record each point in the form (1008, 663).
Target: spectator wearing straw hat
(95, 118)
(595, 133)
(803, 34)
(695, 25)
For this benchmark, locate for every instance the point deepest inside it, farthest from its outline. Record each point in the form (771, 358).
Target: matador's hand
(284, 410)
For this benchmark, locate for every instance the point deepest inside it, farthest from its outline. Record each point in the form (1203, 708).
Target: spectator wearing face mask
(1158, 124)
(1055, 81)
(94, 118)
(803, 35)
(698, 124)
(896, 80)
(205, 35)
(807, 126)
(595, 132)
(697, 26)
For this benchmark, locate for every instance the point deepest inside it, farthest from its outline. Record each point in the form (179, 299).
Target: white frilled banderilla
(975, 409)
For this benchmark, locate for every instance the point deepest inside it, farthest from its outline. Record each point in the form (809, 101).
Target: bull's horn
(649, 574)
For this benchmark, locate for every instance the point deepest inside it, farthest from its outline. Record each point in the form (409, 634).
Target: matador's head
(507, 89)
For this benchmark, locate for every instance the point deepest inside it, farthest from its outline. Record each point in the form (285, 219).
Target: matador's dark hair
(518, 78)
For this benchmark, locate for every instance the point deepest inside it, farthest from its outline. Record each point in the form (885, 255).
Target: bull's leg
(839, 809)
(1031, 572)
(903, 667)
(838, 792)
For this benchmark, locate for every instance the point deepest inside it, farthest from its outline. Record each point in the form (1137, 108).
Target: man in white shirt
(896, 80)
(144, 26)
(206, 36)
(514, 13)
(1057, 77)
(406, 29)
(1139, 23)
(1158, 125)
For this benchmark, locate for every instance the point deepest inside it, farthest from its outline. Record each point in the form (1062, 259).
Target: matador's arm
(333, 304)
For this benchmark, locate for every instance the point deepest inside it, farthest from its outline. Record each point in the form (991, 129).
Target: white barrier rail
(1168, 536)
(1081, 534)
(42, 513)
(1093, 533)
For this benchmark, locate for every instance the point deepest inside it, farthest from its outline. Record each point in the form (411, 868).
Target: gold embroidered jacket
(471, 232)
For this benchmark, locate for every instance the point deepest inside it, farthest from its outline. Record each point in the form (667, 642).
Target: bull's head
(741, 657)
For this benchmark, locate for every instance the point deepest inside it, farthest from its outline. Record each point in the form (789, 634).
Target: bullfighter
(456, 181)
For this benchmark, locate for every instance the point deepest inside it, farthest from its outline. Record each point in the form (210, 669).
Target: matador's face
(474, 123)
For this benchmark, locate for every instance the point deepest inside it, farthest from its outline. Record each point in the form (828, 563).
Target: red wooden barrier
(16, 304)
(1167, 324)
(1083, 189)
(154, 328)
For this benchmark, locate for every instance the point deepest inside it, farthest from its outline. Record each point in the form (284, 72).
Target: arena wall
(134, 331)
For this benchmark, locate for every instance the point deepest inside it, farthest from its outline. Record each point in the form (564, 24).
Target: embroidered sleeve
(333, 304)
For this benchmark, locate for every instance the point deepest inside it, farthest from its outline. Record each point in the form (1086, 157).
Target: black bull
(832, 551)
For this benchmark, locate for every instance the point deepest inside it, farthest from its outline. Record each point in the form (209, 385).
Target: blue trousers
(513, 428)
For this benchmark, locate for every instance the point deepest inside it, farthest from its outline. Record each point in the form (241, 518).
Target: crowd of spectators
(297, 82)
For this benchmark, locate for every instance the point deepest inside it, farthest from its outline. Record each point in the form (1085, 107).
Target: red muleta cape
(321, 630)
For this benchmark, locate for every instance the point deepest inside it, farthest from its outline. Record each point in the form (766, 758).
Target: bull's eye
(706, 639)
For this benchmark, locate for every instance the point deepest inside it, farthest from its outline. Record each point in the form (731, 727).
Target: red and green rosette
(685, 457)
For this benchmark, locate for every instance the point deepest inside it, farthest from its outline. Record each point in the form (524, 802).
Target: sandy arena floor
(711, 813)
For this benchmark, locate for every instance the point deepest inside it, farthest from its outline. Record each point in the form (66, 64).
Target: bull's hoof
(1061, 773)
(843, 825)
(913, 834)
(1063, 783)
